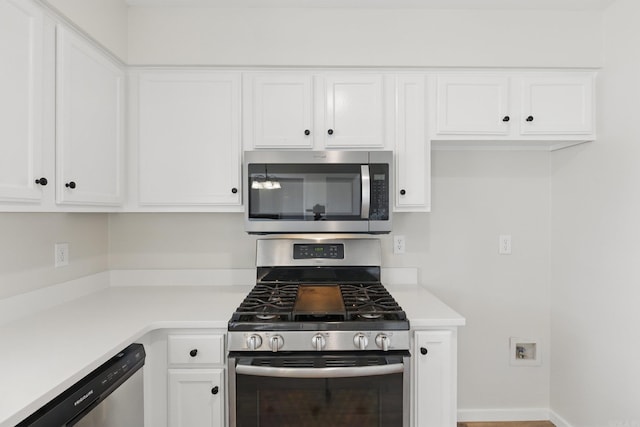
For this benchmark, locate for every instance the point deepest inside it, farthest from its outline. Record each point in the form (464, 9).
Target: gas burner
(362, 299)
(370, 315)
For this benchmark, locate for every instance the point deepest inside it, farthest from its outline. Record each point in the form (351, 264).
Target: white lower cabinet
(195, 380)
(196, 398)
(434, 401)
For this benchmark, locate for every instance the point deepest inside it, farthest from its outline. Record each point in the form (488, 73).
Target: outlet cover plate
(524, 352)
(61, 254)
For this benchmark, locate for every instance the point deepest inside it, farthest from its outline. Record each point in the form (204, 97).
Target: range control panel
(318, 250)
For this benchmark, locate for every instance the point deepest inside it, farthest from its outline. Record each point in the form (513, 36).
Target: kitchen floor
(509, 424)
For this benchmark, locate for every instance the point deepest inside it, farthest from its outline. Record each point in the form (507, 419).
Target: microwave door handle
(366, 191)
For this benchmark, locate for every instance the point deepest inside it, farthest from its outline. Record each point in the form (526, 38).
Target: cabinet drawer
(196, 349)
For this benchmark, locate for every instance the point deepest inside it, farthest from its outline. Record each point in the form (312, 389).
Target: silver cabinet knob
(318, 342)
(383, 342)
(254, 341)
(276, 342)
(361, 341)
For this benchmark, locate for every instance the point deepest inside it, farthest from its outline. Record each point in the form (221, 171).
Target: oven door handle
(366, 191)
(358, 371)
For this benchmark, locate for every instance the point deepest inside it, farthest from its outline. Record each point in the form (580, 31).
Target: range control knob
(318, 342)
(361, 341)
(383, 341)
(276, 342)
(254, 341)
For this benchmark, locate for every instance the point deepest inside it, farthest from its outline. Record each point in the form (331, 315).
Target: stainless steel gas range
(319, 340)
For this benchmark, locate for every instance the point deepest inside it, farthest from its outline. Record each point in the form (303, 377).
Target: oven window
(373, 401)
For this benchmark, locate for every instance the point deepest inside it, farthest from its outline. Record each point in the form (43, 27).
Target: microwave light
(265, 184)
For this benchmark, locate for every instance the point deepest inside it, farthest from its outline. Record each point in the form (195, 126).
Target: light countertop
(43, 354)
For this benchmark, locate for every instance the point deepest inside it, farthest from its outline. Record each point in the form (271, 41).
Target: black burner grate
(274, 303)
(370, 302)
(268, 302)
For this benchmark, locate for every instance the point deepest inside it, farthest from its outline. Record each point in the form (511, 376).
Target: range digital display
(318, 250)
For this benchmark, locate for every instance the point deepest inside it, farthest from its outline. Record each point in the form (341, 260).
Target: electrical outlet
(504, 244)
(61, 254)
(398, 244)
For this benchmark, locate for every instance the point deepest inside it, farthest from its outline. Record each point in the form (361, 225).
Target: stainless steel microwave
(318, 191)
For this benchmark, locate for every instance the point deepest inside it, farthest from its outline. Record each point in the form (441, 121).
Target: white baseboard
(29, 303)
(517, 414)
(557, 420)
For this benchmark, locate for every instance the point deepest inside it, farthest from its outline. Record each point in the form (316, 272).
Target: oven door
(328, 389)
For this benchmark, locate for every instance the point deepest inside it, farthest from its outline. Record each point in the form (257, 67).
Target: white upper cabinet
(354, 111)
(21, 103)
(538, 110)
(413, 147)
(188, 139)
(557, 105)
(304, 110)
(473, 105)
(281, 110)
(89, 123)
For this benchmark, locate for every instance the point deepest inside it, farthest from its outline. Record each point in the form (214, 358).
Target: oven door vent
(297, 363)
(319, 362)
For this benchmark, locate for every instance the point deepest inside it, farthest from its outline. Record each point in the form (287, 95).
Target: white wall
(476, 197)
(104, 20)
(412, 37)
(596, 248)
(199, 241)
(26, 251)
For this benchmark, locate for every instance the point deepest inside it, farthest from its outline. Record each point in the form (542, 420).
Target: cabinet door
(189, 139)
(557, 104)
(89, 123)
(472, 105)
(281, 109)
(196, 398)
(21, 102)
(354, 111)
(435, 375)
(413, 148)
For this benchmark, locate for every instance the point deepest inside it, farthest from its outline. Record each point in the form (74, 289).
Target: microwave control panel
(379, 209)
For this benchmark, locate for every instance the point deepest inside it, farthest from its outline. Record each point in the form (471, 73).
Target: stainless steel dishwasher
(110, 396)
